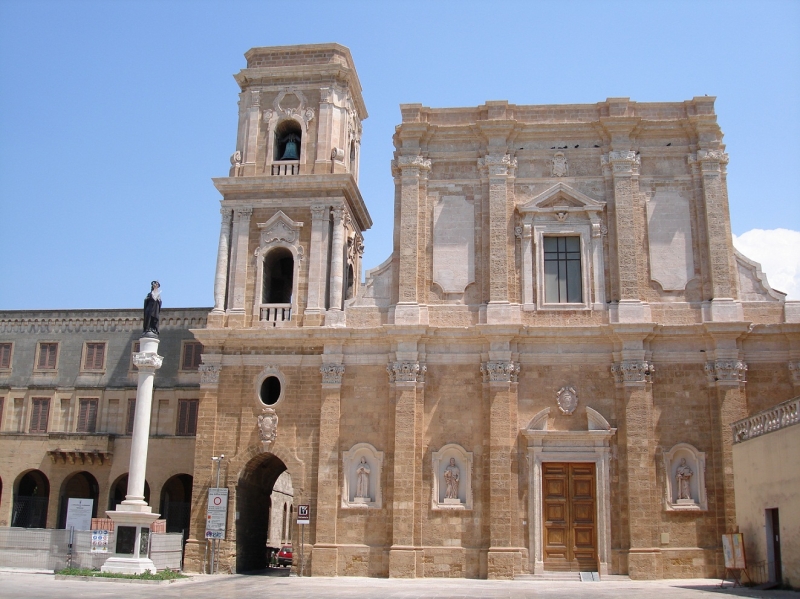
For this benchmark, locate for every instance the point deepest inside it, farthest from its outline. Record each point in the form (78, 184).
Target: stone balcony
(81, 448)
(767, 421)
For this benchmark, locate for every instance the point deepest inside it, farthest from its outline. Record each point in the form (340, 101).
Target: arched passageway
(253, 506)
(81, 485)
(30, 501)
(120, 488)
(176, 503)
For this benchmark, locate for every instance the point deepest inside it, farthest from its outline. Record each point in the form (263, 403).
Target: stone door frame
(590, 446)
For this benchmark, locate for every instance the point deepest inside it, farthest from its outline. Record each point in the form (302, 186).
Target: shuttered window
(95, 356)
(87, 416)
(40, 411)
(131, 414)
(187, 417)
(191, 355)
(5, 355)
(48, 352)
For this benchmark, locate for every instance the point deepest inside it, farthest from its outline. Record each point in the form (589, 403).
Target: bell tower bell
(293, 218)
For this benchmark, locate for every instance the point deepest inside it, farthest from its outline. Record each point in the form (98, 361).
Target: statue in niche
(362, 479)
(683, 475)
(451, 477)
(152, 310)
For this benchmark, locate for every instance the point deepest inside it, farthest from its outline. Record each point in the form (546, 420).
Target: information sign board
(303, 514)
(99, 541)
(79, 514)
(216, 513)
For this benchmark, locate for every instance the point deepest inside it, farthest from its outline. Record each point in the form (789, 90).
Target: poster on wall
(79, 514)
(733, 549)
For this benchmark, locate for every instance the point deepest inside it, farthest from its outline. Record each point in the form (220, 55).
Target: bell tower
(293, 218)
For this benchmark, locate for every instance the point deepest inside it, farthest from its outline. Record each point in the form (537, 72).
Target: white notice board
(216, 513)
(79, 514)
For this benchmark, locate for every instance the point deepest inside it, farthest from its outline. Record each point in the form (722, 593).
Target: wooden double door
(570, 516)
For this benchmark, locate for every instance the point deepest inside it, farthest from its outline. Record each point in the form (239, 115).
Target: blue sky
(114, 116)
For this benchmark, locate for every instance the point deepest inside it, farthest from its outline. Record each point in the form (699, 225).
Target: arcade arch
(31, 500)
(79, 485)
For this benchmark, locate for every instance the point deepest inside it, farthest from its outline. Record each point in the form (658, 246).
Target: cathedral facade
(542, 376)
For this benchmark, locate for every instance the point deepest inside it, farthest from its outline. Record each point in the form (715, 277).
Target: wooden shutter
(5, 355)
(131, 414)
(95, 352)
(40, 411)
(47, 356)
(187, 417)
(191, 355)
(87, 416)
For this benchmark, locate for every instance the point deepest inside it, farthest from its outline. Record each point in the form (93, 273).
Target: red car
(285, 556)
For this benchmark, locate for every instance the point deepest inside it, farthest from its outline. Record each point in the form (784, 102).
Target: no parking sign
(216, 513)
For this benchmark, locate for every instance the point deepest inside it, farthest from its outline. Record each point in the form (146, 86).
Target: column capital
(498, 165)
(633, 372)
(147, 360)
(500, 371)
(332, 374)
(710, 161)
(243, 213)
(622, 162)
(406, 372)
(319, 211)
(227, 216)
(209, 374)
(410, 166)
(726, 372)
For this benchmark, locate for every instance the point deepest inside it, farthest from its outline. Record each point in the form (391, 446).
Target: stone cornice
(93, 321)
(302, 186)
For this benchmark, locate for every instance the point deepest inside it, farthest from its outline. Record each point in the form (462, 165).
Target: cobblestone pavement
(45, 586)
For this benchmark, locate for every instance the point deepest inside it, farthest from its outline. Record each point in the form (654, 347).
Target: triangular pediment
(561, 195)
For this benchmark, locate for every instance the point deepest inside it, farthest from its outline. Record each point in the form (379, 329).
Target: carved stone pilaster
(633, 372)
(624, 162)
(209, 374)
(794, 373)
(710, 161)
(498, 165)
(726, 372)
(415, 165)
(500, 371)
(332, 374)
(406, 372)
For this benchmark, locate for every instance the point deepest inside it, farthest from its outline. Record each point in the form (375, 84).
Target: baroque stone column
(711, 166)
(500, 169)
(500, 386)
(726, 378)
(317, 265)
(223, 253)
(251, 131)
(624, 170)
(410, 174)
(237, 279)
(640, 518)
(404, 377)
(325, 555)
(337, 258)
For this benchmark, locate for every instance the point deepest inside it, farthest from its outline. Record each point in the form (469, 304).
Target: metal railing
(781, 416)
(276, 312)
(286, 168)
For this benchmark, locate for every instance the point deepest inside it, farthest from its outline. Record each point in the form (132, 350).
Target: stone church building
(541, 376)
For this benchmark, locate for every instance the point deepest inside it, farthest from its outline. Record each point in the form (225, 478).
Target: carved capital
(622, 162)
(633, 372)
(406, 372)
(726, 371)
(209, 374)
(147, 360)
(498, 165)
(227, 216)
(318, 211)
(502, 371)
(332, 374)
(243, 213)
(412, 164)
(338, 215)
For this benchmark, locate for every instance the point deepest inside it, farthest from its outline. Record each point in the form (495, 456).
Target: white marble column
(134, 512)
(223, 253)
(337, 259)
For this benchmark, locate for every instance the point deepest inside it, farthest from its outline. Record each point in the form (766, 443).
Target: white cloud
(778, 252)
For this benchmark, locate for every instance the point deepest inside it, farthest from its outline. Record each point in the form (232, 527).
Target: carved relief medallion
(267, 426)
(567, 400)
(559, 165)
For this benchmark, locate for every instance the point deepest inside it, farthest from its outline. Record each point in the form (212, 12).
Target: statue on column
(683, 475)
(152, 310)
(362, 479)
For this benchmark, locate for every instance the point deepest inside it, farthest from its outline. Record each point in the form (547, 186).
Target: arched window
(288, 137)
(278, 277)
(350, 282)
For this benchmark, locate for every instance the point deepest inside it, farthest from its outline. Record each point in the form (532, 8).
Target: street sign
(99, 541)
(216, 513)
(303, 514)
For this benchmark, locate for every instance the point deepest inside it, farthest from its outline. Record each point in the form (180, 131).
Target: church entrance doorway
(569, 514)
(253, 506)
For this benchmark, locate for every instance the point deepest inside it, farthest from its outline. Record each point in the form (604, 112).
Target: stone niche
(452, 478)
(361, 486)
(685, 484)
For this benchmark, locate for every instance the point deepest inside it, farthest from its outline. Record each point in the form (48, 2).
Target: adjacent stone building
(542, 376)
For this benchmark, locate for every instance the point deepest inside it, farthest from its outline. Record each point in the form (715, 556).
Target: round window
(270, 391)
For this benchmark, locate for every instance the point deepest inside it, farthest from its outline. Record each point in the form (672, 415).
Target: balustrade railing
(276, 313)
(286, 168)
(783, 415)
